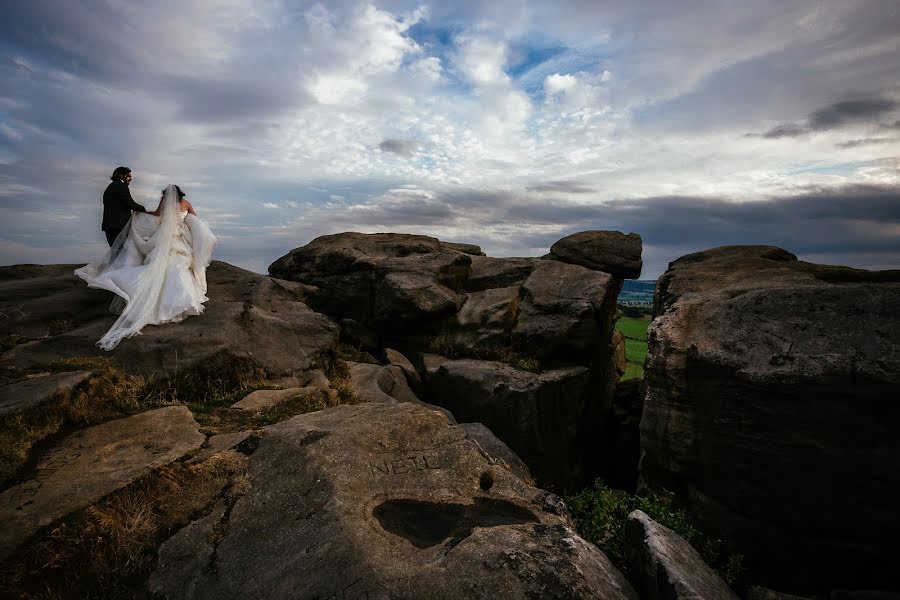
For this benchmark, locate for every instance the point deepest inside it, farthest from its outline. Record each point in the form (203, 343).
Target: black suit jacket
(117, 206)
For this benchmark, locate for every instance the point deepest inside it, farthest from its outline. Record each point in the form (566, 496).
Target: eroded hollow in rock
(425, 524)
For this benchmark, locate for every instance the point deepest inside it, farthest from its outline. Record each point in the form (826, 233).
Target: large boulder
(771, 409)
(663, 566)
(541, 416)
(248, 316)
(566, 312)
(382, 500)
(610, 251)
(380, 279)
(92, 463)
(488, 272)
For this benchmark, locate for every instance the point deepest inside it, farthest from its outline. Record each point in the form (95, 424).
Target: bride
(157, 266)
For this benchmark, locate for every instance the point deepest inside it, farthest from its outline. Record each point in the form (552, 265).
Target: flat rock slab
(91, 463)
(263, 399)
(382, 500)
(663, 566)
(22, 396)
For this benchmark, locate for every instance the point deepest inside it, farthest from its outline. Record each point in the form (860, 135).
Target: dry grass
(445, 345)
(111, 393)
(109, 549)
(108, 394)
(58, 326)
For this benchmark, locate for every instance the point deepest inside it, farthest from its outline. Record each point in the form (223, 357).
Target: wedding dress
(157, 266)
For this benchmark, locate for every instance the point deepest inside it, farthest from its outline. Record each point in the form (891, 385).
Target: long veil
(141, 246)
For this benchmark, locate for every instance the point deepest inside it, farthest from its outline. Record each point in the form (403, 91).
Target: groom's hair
(120, 173)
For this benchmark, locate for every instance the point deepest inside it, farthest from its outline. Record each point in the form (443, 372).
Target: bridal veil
(157, 266)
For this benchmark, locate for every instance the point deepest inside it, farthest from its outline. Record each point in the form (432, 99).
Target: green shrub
(600, 514)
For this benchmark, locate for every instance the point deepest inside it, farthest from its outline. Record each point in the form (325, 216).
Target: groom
(118, 204)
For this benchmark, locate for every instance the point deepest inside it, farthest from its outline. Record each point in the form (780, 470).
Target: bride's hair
(177, 189)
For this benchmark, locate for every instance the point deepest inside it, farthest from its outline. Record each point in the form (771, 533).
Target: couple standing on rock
(156, 262)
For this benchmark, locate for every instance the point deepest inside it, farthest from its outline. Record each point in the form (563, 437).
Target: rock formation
(663, 566)
(771, 409)
(248, 316)
(551, 323)
(382, 500)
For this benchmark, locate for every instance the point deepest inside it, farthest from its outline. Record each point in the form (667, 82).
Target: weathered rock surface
(418, 294)
(488, 272)
(378, 383)
(496, 449)
(248, 316)
(771, 408)
(92, 463)
(398, 359)
(487, 317)
(539, 415)
(263, 399)
(618, 341)
(610, 251)
(25, 395)
(663, 566)
(382, 500)
(380, 279)
(566, 312)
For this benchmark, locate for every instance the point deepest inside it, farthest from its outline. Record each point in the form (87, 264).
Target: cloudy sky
(507, 123)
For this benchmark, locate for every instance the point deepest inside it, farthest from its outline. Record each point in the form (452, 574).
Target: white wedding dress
(157, 266)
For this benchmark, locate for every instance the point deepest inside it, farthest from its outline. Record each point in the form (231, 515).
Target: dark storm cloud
(571, 187)
(400, 147)
(845, 225)
(837, 115)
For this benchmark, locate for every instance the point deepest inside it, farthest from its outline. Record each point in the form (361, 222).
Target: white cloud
(270, 205)
(556, 83)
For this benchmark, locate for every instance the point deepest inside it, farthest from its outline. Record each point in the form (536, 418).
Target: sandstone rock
(609, 251)
(539, 415)
(383, 501)
(381, 279)
(377, 383)
(491, 445)
(313, 377)
(566, 312)
(621, 441)
(248, 316)
(409, 371)
(770, 408)
(488, 272)
(486, 317)
(464, 248)
(185, 555)
(663, 566)
(263, 399)
(220, 443)
(618, 341)
(30, 393)
(92, 463)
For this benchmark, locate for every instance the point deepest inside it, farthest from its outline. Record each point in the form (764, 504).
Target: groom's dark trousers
(117, 207)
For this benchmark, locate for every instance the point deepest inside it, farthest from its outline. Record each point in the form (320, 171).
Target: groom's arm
(126, 199)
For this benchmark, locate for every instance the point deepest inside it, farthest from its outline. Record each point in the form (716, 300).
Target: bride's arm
(156, 212)
(187, 205)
